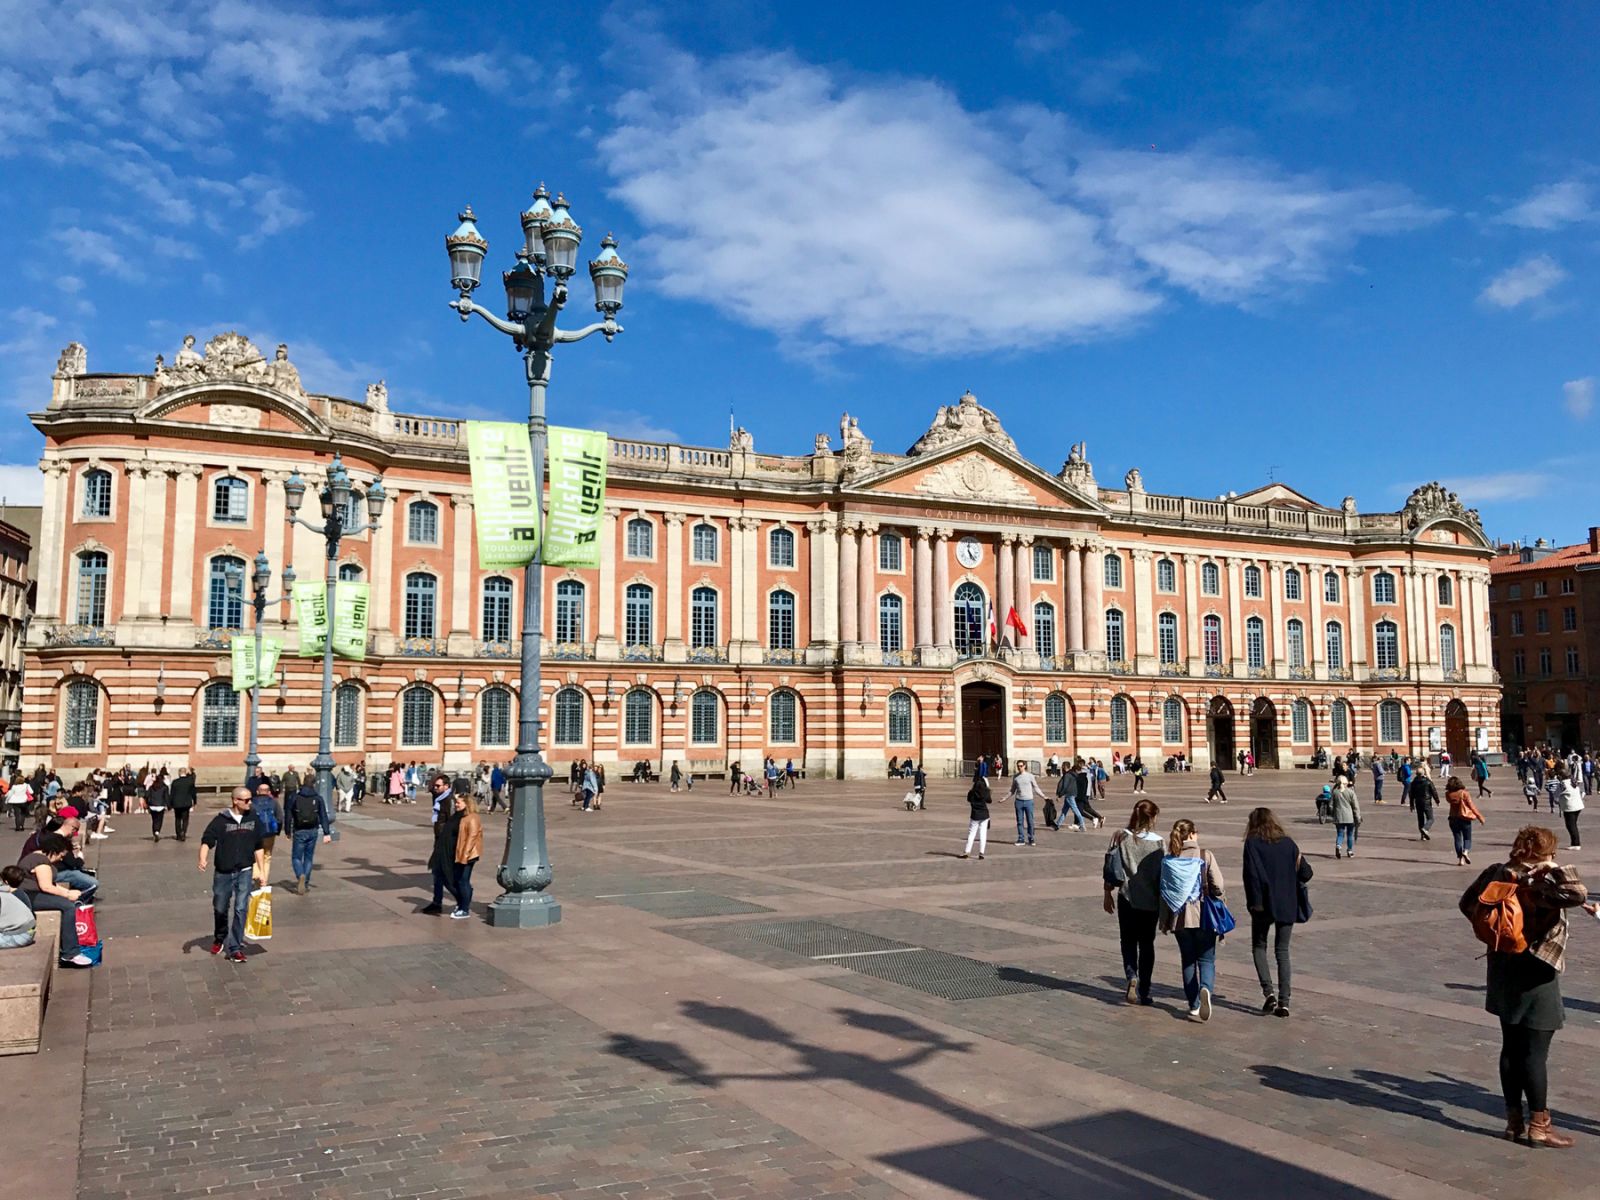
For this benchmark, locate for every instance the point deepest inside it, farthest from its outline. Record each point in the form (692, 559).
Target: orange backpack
(1497, 920)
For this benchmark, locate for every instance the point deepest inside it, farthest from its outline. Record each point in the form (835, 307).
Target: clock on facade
(969, 552)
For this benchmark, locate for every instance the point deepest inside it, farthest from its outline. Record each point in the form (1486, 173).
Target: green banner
(245, 674)
(311, 613)
(577, 497)
(350, 603)
(502, 493)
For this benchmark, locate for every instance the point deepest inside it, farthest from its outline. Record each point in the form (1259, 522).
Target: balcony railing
(573, 650)
(708, 654)
(78, 635)
(423, 647)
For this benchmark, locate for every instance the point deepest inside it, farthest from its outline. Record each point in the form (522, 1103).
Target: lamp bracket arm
(609, 328)
(466, 308)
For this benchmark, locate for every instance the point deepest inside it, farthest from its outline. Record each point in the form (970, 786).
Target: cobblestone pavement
(805, 997)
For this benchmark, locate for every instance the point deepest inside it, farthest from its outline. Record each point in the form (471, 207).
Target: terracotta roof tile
(1562, 558)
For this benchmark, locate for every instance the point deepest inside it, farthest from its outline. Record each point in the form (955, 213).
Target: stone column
(1073, 554)
(736, 586)
(1236, 614)
(755, 629)
(1023, 599)
(1355, 586)
(943, 601)
(1273, 654)
(867, 571)
(132, 564)
(461, 640)
(1141, 630)
(1005, 598)
(849, 585)
(674, 648)
(1411, 603)
(824, 646)
(605, 638)
(180, 601)
(154, 545)
(1094, 604)
(382, 574)
(1429, 582)
(51, 552)
(922, 585)
(1192, 599)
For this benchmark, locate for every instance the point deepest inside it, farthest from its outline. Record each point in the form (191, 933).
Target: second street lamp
(550, 251)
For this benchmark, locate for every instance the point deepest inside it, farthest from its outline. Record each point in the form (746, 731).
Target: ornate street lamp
(549, 254)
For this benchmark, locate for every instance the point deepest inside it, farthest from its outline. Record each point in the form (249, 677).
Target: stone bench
(25, 975)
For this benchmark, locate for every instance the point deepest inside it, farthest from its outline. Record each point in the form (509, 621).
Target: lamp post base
(524, 910)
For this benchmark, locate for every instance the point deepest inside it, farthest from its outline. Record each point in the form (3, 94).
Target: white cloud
(1527, 280)
(29, 341)
(631, 424)
(1578, 396)
(90, 247)
(1046, 34)
(21, 483)
(1552, 206)
(885, 213)
(1500, 485)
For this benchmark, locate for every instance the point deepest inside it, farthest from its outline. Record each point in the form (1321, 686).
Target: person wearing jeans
(307, 815)
(236, 837)
(1346, 816)
(1132, 876)
(1462, 814)
(469, 848)
(1274, 874)
(1067, 793)
(1188, 874)
(1024, 788)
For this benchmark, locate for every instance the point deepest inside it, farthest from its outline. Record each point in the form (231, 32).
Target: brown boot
(1515, 1130)
(300, 885)
(1540, 1132)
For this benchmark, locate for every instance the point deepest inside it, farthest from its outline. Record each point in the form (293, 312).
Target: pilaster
(674, 648)
(605, 636)
(185, 513)
(1073, 556)
(459, 639)
(1141, 629)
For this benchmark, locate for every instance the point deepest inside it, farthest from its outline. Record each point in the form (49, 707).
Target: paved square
(805, 997)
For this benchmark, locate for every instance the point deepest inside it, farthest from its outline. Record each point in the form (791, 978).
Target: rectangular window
(1383, 588)
(1044, 564)
(1572, 660)
(1514, 591)
(1166, 576)
(1171, 723)
(1210, 579)
(1568, 586)
(1541, 620)
(889, 633)
(703, 544)
(891, 553)
(1300, 722)
(1569, 618)
(1339, 723)
(1330, 588)
(1544, 663)
(1540, 588)
(1252, 583)
(1291, 585)
(1255, 644)
(83, 715)
(1516, 624)
(1389, 731)
(1494, 624)
(1519, 663)
(1167, 638)
(229, 503)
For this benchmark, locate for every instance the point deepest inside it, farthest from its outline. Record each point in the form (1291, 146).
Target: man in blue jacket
(306, 815)
(497, 787)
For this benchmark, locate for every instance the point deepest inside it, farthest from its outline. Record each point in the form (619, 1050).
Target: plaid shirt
(1546, 895)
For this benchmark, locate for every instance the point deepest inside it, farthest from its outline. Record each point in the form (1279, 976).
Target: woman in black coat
(1273, 872)
(978, 827)
(181, 798)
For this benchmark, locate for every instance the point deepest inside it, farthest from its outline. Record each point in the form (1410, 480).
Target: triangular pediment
(1277, 495)
(974, 471)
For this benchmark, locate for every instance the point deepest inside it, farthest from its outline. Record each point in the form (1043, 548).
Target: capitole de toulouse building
(830, 608)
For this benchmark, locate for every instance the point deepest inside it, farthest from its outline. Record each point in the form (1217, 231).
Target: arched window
(703, 720)
(1386, 645)
(1119, 719)
(230, 500)
(1210, 579)
(703, 543)
(219, 715)
(347, 716)
(780, 620)
(97, 493)
(494, 717)
(1291, 584)
(969, 619)
(1055, 719)
(1211, 637)
(638, 717)
(1166, 575)
(1330, 587)
(81, 729)
(1300, 721)
(422, 523)
(1339, 723)
(1447, 647)
(639, 623)
(1255, 642)
(1113, 570)
(1044, 564)
(703, 617)
(1335, 642)
(1044, 628)
(225, 593)
(1167, 637)
(1391, 726)
(891, 552)
(93, 567)
(1252, 583)
(569, 717)
(1447, 591)
(781, 723)
(900, 718)
(569, 611)
(1383, 588)
(422, 605)
(641, 538)
(497, 609)
(1116, 642)
(1295, 643)
(416, 716)
(349, 572)
(780, 548)
(891, 624)
(1171, 721)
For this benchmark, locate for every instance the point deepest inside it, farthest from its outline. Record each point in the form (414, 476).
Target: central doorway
(1219, 732)
(1264, 733)
(983, 722)
(1457, 738)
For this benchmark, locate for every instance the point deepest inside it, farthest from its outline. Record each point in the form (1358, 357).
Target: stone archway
(1264, 733)
(983, 722)
(1457, 733)
(1220, 732)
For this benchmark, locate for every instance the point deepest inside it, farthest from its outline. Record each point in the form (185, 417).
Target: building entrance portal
(1219, 732)
(1264, 733)
(983, 722)
(1457, 737)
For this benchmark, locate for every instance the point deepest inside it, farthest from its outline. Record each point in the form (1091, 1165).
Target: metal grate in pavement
(688, 903)
(947, 976)
(817, 939)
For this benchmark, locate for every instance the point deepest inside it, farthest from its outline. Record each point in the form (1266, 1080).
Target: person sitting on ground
(45, 893)
(17, 922)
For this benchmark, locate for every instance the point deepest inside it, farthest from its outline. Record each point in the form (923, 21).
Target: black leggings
(1571, 818)
(1137, 927)
(1086, 806)
(1524, 1066)
(157, 816)
(180, 822)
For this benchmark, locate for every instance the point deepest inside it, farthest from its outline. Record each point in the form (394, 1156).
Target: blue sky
(1346, 247)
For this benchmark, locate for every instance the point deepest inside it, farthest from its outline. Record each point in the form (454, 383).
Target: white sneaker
(460, 914)
(99, 837)
(78, 960)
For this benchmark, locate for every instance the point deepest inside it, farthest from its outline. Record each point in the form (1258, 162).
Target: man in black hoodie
(236, 839)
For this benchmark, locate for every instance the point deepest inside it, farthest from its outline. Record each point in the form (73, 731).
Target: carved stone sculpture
(230, 357)
(1133, 481)
(1433, 500)
(821, 445)
(742, 439)
(960, 422)
(74, 360)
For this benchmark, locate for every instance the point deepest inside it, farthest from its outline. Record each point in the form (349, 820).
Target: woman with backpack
(1132, 878)
(978, 825)
(1462, 814)
(1274, 873)
(1518, 909)
(1187, 874)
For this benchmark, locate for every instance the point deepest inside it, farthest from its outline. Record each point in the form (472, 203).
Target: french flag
(994, 630)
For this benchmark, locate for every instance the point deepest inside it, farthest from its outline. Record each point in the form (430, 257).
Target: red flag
(1015, 622)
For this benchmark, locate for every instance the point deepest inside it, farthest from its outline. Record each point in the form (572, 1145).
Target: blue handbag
(1214, 915)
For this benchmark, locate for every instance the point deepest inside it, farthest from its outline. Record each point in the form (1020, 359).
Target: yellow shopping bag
(258, 920)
